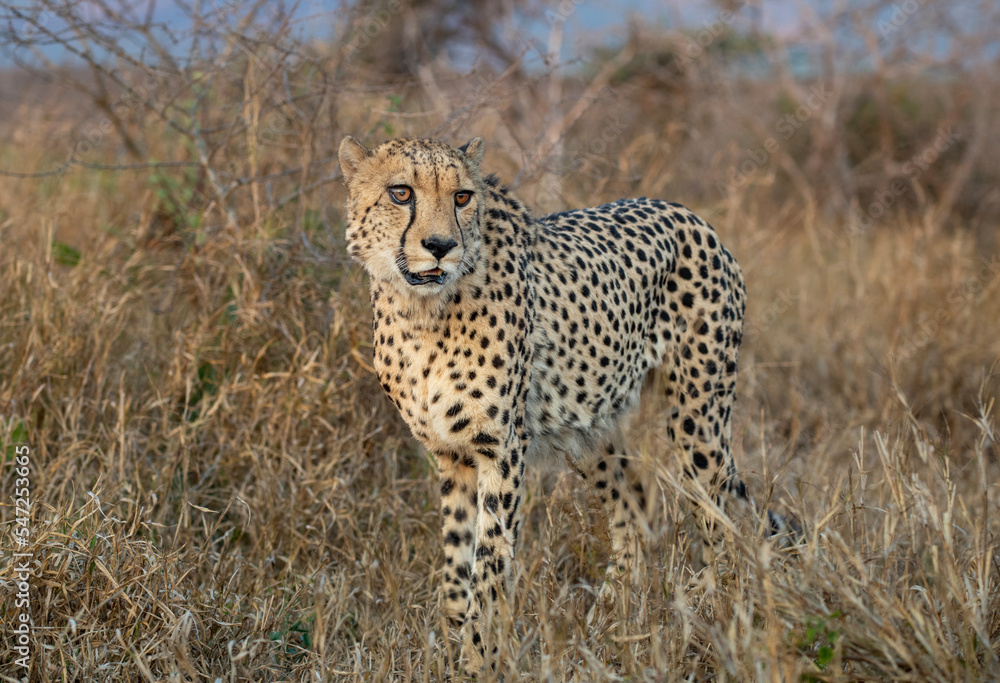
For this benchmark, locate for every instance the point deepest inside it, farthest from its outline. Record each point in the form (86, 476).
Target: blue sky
(586, 22)
(589, 21)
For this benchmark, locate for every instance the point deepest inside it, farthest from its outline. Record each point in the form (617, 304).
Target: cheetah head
(414, 211)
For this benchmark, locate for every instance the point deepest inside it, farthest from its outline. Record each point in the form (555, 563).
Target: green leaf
(65, 254)
(18, 437)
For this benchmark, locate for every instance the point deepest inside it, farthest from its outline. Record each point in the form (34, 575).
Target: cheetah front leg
(459, 491)
(500, 479)
(617, 480)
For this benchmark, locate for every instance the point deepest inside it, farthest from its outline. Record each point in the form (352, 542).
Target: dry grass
(222, 492)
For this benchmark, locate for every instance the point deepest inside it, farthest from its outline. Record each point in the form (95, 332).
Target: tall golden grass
(221, 492)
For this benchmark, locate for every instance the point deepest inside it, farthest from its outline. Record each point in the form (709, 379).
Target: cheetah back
(621, 289)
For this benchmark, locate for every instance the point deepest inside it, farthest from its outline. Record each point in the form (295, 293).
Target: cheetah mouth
(425, 277)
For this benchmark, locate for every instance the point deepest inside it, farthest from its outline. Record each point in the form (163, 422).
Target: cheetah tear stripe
(502, 338)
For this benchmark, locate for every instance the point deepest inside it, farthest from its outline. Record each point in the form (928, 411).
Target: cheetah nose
(438, 246)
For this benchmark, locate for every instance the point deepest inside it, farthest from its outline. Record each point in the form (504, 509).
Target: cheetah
(502, 338)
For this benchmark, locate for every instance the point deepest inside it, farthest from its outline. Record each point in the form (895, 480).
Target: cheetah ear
(352, 153)
(473, 150)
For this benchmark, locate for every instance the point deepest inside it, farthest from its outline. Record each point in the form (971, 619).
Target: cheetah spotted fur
(501, 337)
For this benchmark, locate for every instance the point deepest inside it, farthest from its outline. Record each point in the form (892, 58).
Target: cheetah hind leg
(734, 500)
(699, 429)
(726, 493)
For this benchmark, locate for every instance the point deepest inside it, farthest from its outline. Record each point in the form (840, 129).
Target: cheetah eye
(400, 194)
(462, 198)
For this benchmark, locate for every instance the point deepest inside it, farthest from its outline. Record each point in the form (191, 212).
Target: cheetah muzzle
(500, 337)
